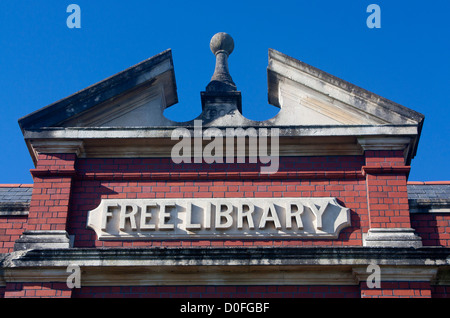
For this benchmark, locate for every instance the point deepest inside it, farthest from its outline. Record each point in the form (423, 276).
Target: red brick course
(37, 290)
(433, 228)
(218, 292)
(11, 228)
(397, 290)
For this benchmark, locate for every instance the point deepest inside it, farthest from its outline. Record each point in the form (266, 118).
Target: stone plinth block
(42, 240)
(392, 237)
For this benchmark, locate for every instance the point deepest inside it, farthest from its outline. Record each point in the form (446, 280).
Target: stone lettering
(297, 215)
(146, 214)
(270, 215)
(189, 225)
(108, 214)
(128, 212)
(218, 217)
(207, 216)
(318, 212)
(165, 215)
(250, 208)
(224, 211)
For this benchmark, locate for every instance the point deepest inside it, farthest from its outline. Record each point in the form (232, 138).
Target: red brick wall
(387, 290)
(11, 228)
(440, 291)
(66, 188)
(434, 228)
(354, 180)
(37, 290)
(49, 205)
(339, 177)
(218, 292)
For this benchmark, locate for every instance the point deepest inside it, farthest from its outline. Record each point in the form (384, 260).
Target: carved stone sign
(133, 219)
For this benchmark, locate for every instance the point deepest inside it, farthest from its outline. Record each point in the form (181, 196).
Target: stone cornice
(54, 172)
(166, 131)
(385, 170)
(293, 256)
(229, 266)
(152, 142)
(55, 146)
(398, 273)
(429, 205)
(229, 175)
(14, 208)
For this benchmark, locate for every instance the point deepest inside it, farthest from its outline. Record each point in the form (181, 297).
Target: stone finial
(222, 41)
(222, 45)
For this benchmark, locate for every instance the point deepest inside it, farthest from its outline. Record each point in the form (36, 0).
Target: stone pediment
(126, 99)
(139, 108)
(308, 96)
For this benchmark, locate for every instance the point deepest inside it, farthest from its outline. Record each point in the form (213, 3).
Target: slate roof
(15, 193)
(432, 190)
(15, 199)
(425, 197)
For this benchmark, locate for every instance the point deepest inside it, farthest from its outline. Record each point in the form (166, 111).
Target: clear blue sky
(407, 60)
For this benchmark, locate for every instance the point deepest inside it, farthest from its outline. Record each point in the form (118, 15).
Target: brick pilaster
(387, 198)
(49, 204)
(387, 193)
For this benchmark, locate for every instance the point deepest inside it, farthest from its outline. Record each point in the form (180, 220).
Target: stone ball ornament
(222, 45)
(222, 42)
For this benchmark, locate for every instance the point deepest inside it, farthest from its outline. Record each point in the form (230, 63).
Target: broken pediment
(319, 113)
(138, 96)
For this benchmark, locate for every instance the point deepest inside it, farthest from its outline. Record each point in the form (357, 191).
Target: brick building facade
(104, 160)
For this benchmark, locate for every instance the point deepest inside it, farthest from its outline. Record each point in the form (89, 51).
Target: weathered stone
(236, 266)
(222, 45)
(42, 240)
(392, 237)
(219, 218)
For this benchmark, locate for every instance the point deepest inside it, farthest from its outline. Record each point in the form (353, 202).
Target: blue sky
(407, 60)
